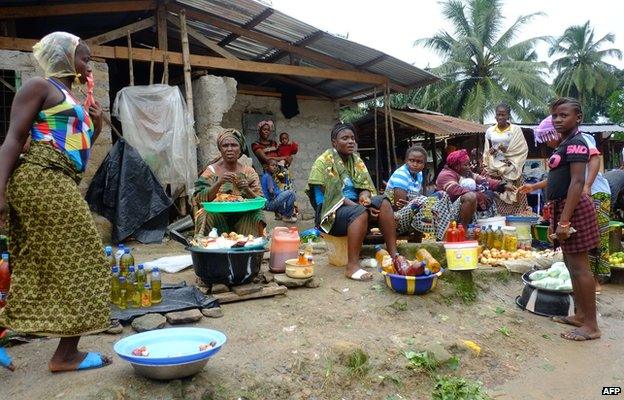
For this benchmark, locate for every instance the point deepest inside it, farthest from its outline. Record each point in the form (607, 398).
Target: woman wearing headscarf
(266, 149)
(60, 279)
(230, 176)
(504, 154)
(343, 194)
(470, 194)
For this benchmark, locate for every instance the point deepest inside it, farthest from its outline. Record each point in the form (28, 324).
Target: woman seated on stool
(228, 176)
(342, 192)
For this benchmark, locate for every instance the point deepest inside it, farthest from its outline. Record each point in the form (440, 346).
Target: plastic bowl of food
(411, 284)
(170, 346)
(545, 302)
(294, 270)
(234, 206)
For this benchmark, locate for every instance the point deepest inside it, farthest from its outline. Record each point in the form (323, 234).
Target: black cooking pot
(229, 267)
(545, 302)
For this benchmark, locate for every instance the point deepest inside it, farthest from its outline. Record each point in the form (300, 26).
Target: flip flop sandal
(563, 320)
(577, 336)
(357, 275)
(5, 359)
(91, 361)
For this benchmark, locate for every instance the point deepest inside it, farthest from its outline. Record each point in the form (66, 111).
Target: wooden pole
(377, 169)
(186, 58)
(151, 81)
(165, 75)
(161, 24)
(388, 153)
(394, 145)
(130, 60)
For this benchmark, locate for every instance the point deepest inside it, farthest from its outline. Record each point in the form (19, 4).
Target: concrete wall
(27, 65)
(310, 129)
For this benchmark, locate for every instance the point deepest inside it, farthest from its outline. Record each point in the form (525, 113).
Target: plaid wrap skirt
(587, 236)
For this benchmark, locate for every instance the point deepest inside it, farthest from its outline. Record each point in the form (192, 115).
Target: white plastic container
(496, 222)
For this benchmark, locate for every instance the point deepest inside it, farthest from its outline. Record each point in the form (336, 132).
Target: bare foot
(571, 320)
(72, 362)
(581, 334)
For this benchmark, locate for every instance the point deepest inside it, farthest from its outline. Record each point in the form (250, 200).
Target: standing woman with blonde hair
(60, 281)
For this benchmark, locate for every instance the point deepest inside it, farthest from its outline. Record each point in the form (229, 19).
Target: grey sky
(392, 26)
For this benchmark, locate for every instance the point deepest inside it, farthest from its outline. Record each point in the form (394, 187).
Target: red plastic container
(284, 246)
(5, 279)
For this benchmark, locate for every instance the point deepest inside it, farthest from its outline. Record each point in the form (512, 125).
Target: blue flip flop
(92, 361)
(5, 358)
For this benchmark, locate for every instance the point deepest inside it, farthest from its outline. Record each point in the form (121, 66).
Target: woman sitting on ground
(471, 194)
(343, 194)
(225, 178)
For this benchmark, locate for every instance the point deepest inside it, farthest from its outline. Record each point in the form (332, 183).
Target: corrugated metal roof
(588, 128)
(284, 27)
(438, 124)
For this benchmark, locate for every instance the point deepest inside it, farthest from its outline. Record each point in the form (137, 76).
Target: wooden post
(161, 22)
(388, 152)
(165, 75)
(130, 60)
(377, 169)
(151, 79)
(394, 145)
(186, 58)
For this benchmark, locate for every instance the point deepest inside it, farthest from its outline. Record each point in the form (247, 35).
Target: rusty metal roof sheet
(438, 124)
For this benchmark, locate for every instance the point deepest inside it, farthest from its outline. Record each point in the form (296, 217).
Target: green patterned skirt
(60, 283)
(599, 257)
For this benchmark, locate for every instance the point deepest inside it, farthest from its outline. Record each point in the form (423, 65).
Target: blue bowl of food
(411, 284)
(170, 353)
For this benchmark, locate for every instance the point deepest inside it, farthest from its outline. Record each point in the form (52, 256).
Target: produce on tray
(226, 241)
(617, 259)
(557, 277)
(498, 257)
(226, 197)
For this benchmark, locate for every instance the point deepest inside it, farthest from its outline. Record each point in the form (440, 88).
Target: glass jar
(510, 238)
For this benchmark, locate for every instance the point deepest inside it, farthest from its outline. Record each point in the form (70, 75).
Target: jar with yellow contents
(510, 238)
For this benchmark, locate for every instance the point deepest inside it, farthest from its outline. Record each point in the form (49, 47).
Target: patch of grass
(504, 276)
(357, 363)
(422, 360)
(499, 310)
(458, 388)
(391, 379)
(505, 331)
(399, 305)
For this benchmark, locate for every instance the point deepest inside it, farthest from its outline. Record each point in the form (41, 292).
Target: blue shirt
(268, 183)
(348, 190)
(402, 178)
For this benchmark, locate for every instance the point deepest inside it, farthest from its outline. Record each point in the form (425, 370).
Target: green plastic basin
(235, 206)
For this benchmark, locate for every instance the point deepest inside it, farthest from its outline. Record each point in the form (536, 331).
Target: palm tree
(482, 66)
(581, 69)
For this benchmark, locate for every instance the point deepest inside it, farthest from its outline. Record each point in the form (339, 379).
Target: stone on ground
(149, 322)
(438, 351)
(214, 312)
(285, 280)
(184, 317)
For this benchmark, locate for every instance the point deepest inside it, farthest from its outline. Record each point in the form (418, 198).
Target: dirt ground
(302, 346)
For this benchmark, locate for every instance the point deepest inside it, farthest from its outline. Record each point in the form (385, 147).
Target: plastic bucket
(523, 225)
(337, 252)
(462, 256)
(494, 221)
(540, 232)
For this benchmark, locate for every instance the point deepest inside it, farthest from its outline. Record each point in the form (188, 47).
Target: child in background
(287, 148)
(282, 202)
(571, 208)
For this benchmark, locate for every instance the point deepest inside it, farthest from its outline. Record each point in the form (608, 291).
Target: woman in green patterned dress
(60, 279)
(227, 175)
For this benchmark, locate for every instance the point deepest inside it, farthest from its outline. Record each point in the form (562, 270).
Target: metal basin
(168, 372)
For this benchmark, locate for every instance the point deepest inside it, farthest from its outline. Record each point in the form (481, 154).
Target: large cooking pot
(545, 302)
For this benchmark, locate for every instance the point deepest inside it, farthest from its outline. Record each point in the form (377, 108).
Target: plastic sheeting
(125, 191)
(55, 54)
(156, 122)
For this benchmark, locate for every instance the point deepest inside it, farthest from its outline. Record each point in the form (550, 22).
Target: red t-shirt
(270, 150)
(288, 149)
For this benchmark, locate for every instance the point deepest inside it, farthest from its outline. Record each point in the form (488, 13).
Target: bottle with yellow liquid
(156, 286)
(146, 296)
(141, 276)
(123, 297)
(125, 261)
(498, 239)
(134, 299)
(108, 252)
(115, 286)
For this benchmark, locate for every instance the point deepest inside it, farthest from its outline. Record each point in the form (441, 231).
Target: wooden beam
(373, 61)
(116, 52)
(301, 43)
(186, 59)
(201, 38)
(123, 31)
(161, 21)
(252, 23)
(76, 8)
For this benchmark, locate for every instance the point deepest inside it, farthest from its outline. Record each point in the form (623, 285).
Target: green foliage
(357, 363)
(422, 360)
(457, 388)
(581, 70)
(482, 65)
(616, 107)
(399, 305)
(504, 331)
